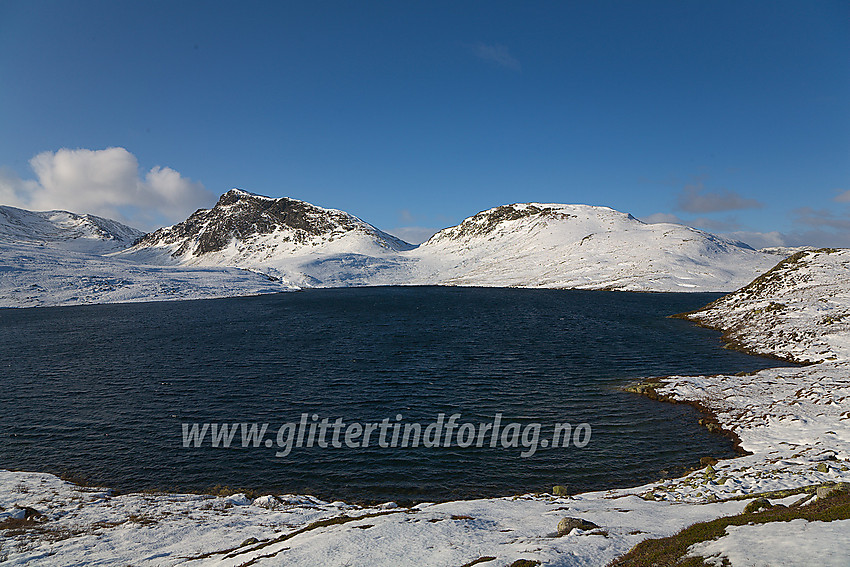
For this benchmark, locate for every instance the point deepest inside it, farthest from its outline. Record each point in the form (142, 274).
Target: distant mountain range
(293, 243)
(525, 245)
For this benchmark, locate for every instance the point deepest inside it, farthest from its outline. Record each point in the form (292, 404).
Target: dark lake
(101, 392)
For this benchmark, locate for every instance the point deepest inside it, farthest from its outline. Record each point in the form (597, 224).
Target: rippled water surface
(101, 392)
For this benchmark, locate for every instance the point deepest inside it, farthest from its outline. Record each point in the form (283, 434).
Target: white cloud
(822, 218)
(695, 199)
(14, 190)
(406, 216)
(813, 237)
(104, 183)
(829, 227)
(716, 224)
(656, 218)
(497, 54)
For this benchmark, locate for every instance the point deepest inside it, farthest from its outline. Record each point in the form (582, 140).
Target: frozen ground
(90, 526)
(781, 544)
(36, 276)
(799, 310)
(794, 421)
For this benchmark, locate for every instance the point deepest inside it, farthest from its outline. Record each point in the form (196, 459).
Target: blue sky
(733, 116)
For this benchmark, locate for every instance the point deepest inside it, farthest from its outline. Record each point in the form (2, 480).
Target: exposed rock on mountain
(61, 258)
(247, 228)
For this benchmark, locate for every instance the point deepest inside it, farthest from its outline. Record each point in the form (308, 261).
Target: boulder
(757, 505)
(826, 489)
(566, 525)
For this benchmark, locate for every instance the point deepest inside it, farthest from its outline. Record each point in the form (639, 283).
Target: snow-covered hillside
(785, 251)
(521, 245)
(64, 230)
(39, 276)
(799, 310)
(581, 246)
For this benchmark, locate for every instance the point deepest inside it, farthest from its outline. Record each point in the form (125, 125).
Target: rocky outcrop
(241, 218)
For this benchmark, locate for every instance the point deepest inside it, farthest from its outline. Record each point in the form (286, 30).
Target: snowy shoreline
(795, 422)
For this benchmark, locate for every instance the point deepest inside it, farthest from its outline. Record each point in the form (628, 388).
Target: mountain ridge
(243, 219)
(248, 243)
(517, 245)
(65, 230)
(588, 247)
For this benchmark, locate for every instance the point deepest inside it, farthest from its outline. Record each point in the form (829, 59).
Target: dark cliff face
(241, 215)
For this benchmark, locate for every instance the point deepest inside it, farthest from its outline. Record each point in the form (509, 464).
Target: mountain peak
(486, 221)
(508, 217)
(236, 194)
(584, 246)
(248, 225)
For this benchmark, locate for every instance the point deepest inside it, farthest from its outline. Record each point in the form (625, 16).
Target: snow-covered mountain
(786, 251)
(522, 245)
(247, 228)
(309, 245)
(65, 230)
(581, 246)
(63, 258)
(246, 241)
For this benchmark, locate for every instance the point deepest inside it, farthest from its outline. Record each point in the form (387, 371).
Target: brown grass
(670, 551)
